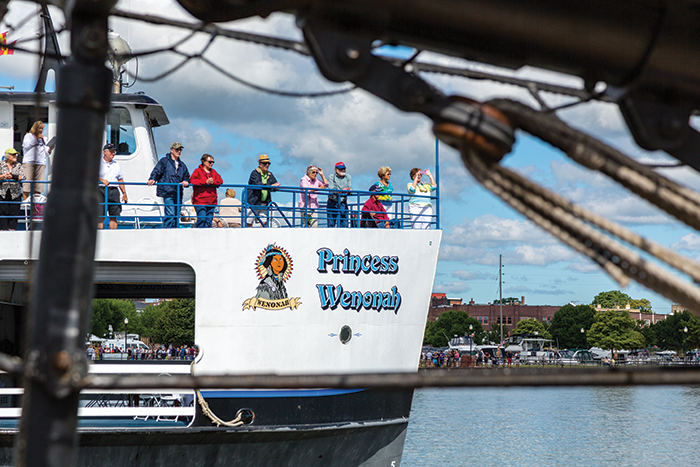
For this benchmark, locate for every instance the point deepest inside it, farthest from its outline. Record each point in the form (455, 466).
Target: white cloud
(689, 242)
(586, 268)
(451, 287)
(472, 276)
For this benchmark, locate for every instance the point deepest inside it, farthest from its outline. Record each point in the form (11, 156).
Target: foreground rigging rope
(577, 227)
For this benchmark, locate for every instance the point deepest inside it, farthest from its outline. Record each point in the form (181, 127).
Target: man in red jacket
(205, 180)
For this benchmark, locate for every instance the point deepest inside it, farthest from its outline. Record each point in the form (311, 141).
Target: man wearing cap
(261, 176)
(110, 176)
(338, 202)
(170, 170)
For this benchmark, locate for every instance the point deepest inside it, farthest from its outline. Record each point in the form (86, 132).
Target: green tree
(611, 299)
(647, 331)
(567, 323)
(109, 311)
(530, 326)
(669, 332)
(643, 304)
(449, 324)
(494, 334)
(506, 301)
(173, 323)
(148, 318)
(614, 329)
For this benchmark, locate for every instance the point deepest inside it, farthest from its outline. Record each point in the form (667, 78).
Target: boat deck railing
(282, 212)
(153, 406)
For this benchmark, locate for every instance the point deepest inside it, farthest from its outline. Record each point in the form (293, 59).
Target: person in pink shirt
(373, 212)
(309, 198)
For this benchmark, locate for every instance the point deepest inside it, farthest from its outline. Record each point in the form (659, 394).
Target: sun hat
(263, 158)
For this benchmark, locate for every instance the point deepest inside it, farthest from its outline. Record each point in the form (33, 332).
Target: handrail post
(178, 208)
(59, 309)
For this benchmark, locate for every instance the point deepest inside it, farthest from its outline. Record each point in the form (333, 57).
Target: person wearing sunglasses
(258, 198)
(205, 180)
(170, 172)
(309, 198)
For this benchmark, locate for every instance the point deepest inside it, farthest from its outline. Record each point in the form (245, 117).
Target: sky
(210, 113)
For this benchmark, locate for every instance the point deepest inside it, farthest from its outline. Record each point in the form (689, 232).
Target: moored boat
(356, 301)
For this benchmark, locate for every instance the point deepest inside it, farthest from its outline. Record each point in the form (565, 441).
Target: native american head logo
(274, 267)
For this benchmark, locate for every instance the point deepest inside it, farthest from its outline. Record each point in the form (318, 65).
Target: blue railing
(283, 211)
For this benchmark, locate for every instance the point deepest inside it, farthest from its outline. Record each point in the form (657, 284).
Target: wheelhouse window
(120, 131)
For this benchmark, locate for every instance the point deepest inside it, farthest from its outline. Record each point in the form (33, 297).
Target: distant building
(637, 314)
(490, 313)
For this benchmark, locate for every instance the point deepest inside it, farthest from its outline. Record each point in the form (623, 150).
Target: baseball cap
(109, 147)
(374, 187)
(176, 145)
(340, 165)
(11, 151)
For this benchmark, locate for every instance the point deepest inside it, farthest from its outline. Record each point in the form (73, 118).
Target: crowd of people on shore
(450, 358)
(157, 352)
(171, 175)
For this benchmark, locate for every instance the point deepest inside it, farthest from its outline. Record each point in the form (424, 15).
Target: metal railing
(283, 211)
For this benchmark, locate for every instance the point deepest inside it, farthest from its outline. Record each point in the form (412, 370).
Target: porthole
(345, 334)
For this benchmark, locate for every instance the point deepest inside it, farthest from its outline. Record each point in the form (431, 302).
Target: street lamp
(126, 333)
(471, 341)
(685, 342)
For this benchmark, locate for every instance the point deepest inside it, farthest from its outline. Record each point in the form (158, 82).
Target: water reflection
(599, 426)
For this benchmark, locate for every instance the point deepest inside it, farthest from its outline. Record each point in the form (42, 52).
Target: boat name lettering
(354, 264)
(331, 296)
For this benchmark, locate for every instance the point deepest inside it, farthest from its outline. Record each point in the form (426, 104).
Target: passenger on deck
(421, 209)
(205, 180)
(309, 198)
(36, 154)
(229, 211)
(338, 202)
(10, 191)
(258, 199)
(373, 211)
(170, 169)
(110, 176)
(386, 188)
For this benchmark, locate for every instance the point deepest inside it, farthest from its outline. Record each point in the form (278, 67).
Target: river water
(588, 426)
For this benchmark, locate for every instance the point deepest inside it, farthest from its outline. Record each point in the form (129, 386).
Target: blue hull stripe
(281, 393)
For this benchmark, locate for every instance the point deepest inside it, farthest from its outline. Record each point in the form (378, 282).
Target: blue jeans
(337, 213)
(171, 214)
(205, 215)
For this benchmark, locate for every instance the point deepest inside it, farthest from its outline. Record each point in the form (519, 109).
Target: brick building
(637, 314)
(489, 314)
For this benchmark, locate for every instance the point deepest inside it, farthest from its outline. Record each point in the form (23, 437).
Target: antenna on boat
(119, 54)
(51, 59)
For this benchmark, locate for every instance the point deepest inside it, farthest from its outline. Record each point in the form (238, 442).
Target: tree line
(610, 329)
(170, 322)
